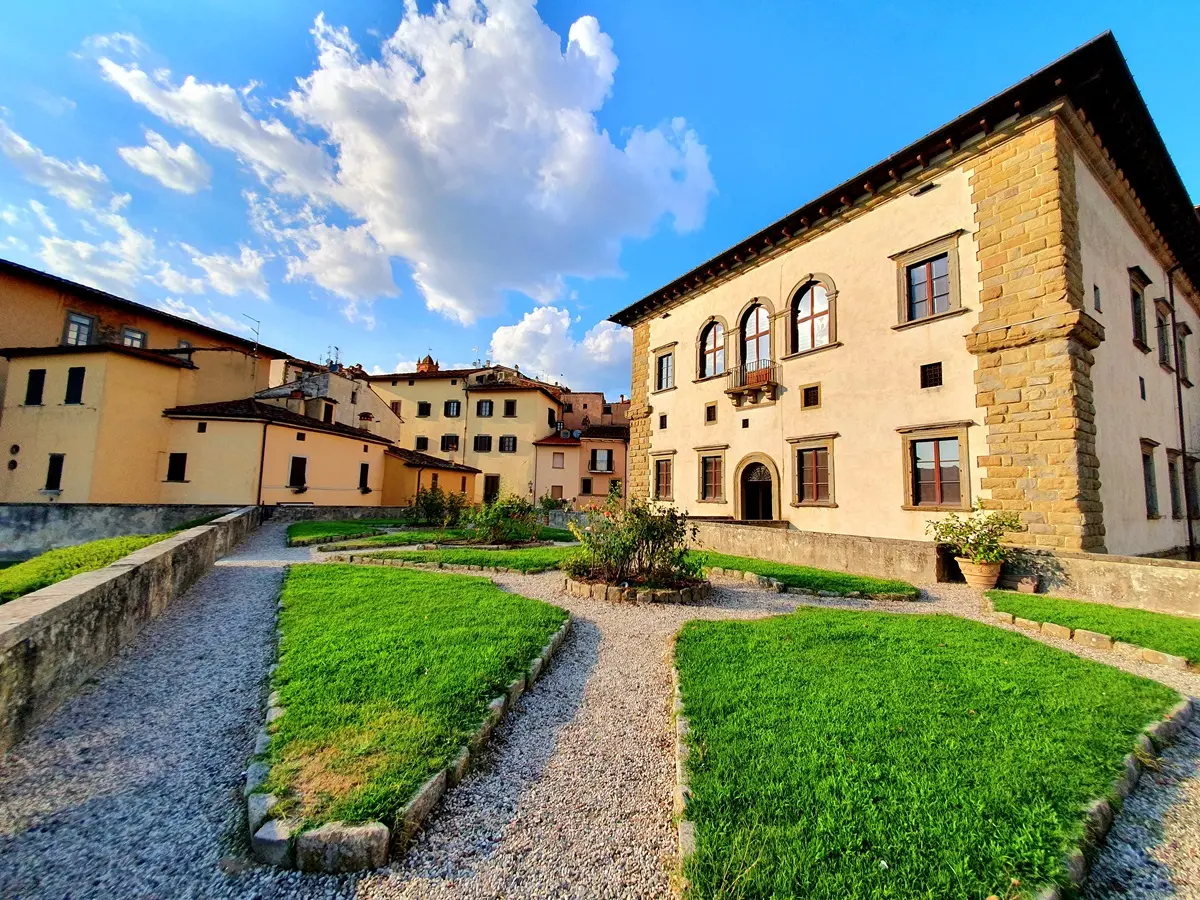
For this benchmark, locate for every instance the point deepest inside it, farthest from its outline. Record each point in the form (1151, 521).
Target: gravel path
(133, 788)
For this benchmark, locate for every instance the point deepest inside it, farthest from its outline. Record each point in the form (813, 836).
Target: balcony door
(756, 344)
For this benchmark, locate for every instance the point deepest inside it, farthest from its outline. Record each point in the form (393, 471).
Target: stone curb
(358, 560)
(613, 594)
(685, 828)
(336, 847)
(1093, 639)
(1101, 813)
(779, 587)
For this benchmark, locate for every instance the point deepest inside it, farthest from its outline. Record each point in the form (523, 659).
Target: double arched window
(812, 317)
(712, 350)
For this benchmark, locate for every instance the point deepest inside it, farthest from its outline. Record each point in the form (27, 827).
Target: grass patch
(529, 559)
(385, 674)
(434, 536)
(1177, 635)
(846, 754)
(54, 566)
(299, 533)
(808, 578)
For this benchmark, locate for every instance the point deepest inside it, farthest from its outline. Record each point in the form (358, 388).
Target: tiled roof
(251, 410)
(444, 373)
(558, 440)
(607, 432)
(167, 358)
(416, 459)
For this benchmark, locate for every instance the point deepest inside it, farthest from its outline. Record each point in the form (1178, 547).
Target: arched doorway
(757, 493)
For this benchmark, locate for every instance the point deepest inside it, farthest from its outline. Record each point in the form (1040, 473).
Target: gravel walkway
(133, 788)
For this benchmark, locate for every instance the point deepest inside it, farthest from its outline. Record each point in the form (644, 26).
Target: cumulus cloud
(542, 345)
(180, 168)
(468, 147)
(231, 275)
(178, 282)
(78, 184)
(211, 317)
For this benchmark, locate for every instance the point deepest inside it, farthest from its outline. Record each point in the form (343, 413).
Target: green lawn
(313, 532)
(530, 559)
(1177, 635)
(434, 536)
(808, 578)
(54, 566)
(840, 754)
(384, 675)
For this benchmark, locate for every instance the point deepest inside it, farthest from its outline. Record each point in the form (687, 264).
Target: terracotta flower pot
(979, 575)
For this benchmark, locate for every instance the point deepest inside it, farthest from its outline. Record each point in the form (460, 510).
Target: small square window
(510, 408)
(508, 444)
(300, 436)
(411, 382)
(662, 421)
(201, 428)
(810, 396)
(449, 443)
(931, 375)
(451, 408)
(483, 409)
(483, 443)
(424, 408)
(184, 345)
(132, 337)
(745, 423)
(421, 444)
(710, 413)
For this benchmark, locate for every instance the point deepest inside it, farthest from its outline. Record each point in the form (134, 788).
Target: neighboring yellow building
(407, 471)
(999, 313)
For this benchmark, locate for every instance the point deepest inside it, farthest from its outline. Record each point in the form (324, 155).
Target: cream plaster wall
(567, 477)
(517, 470)
(222, 462)
(436, 391)
(1110, 245)
(870, 384)
(600, 480)
(332, 473)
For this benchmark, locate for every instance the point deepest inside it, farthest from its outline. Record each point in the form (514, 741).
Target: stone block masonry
(1033, 341)
(639, 415)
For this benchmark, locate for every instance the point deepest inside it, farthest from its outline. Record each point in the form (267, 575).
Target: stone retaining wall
(918, 562)
(333, 513)
(27, 529)
(53, 639)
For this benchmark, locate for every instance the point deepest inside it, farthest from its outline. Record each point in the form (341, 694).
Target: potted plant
(975, 541)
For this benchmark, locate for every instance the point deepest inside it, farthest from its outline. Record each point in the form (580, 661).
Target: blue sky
(396, 193)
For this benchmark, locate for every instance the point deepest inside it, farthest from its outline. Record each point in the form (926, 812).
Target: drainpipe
(262, 459)
(1188, 500)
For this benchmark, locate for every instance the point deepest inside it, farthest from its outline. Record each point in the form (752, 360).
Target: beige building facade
(956, 326)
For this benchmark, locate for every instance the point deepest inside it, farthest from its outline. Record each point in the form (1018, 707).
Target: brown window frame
(1138, 282)
(710, 407)
(712, 358)
(924, 255)
(804, 389)
(664, 490)
(910, 435)
(806, 444)
(748, 338)
(1150, 478)
(798, 322)
(664, 375)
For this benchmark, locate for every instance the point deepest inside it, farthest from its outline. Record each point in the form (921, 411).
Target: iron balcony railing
(752, 374)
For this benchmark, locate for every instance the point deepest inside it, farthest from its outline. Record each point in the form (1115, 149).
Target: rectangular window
(421, 444)
(558, 461)
(201, 427)
(710, 413)
(1148, 480)
(1191, 488)
(510, 408)
(812, 475)
(177, 467)
(712, 478)
(298, 472)
(601, 461)
(79, 329)
(327, 414)
(449, 443)
(1096, 296)
(664, 369)
(462, 487)
(483, 409)
(54, 472)
(663, 486)
(450, 409)
(433, 479)
(931, 375)
(354, 398)
(662, 422)
(570, 407)
(491, 488)
(810, 396)
(556, 492)
(301, 436)
(364, 477)
(1181, 358)
(929, 287)
(133, 337)
(607, 410)
(1162, 331)
(396, 407)
(34, 387)
(585, 486)
(483, 443)
(936, 472)
(551, 416)
(1138, 283)
(1174, 484)
(423, 409)
(508, 444)
(74, 393)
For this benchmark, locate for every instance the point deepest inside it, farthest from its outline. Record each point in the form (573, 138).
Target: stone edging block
(614, 594)
(336, 847)
(685, 828)
(1093, 639)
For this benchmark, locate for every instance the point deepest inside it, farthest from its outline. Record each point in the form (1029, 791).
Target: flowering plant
(637, 544)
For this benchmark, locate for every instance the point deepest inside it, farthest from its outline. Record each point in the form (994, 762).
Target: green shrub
(637, 544)
(976, 537)
(54, 566)
(508, 519)
(547, 503)
(433, 506)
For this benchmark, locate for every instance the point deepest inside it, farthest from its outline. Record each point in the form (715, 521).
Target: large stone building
(999, 314)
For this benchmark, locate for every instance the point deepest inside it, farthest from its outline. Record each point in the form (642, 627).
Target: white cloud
(211, 318)
(469, 147)
(346, 262)
(10, 215)
(119, 42)
(78, 184)
(542, 345)
(180, 168)
(232, 275)
(177, 282)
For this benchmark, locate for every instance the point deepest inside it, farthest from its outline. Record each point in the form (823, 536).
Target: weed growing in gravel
(385, 674)
(846, 754)
(1177, 635)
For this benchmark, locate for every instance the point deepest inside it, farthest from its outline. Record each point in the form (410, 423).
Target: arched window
(712, 350)
(756, 338)
(811, 318)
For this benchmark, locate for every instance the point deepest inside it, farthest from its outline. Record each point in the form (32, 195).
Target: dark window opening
(35, 387)
(551, 417)
(74, 393)
(298, 475)
(177, 467)
(421, 443)
(510, 408)
(508, 444)
(54, 472)
(327, 417)
(585, 486)
(662, 421)
(423, 409)
(931, 375)
(483, 443)
(300, 436)
(1149, 483)
(491, 488)
(810, 397)
(449, 443)
(364, 476)
(201, 427)
(710, 412)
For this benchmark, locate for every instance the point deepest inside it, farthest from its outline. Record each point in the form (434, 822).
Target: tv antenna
(257, 326)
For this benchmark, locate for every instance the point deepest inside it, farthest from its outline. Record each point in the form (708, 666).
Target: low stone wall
(52, 640)
(614, 594)
(1160, 585)
(333, 513)
(27, 529)
(558, 518)
(918, 562)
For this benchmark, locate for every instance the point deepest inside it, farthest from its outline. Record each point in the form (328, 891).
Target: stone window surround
(655, 457)
(1175, 486)
(939, 430)
(717, 450)
(739, 345)
(1162, 325)
(658, 353)
(820, 395)
(947, 244)
(776, 484)
(716, 413)
(832, 293)
(1138, 282)
(812, 442)
(718, 320)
